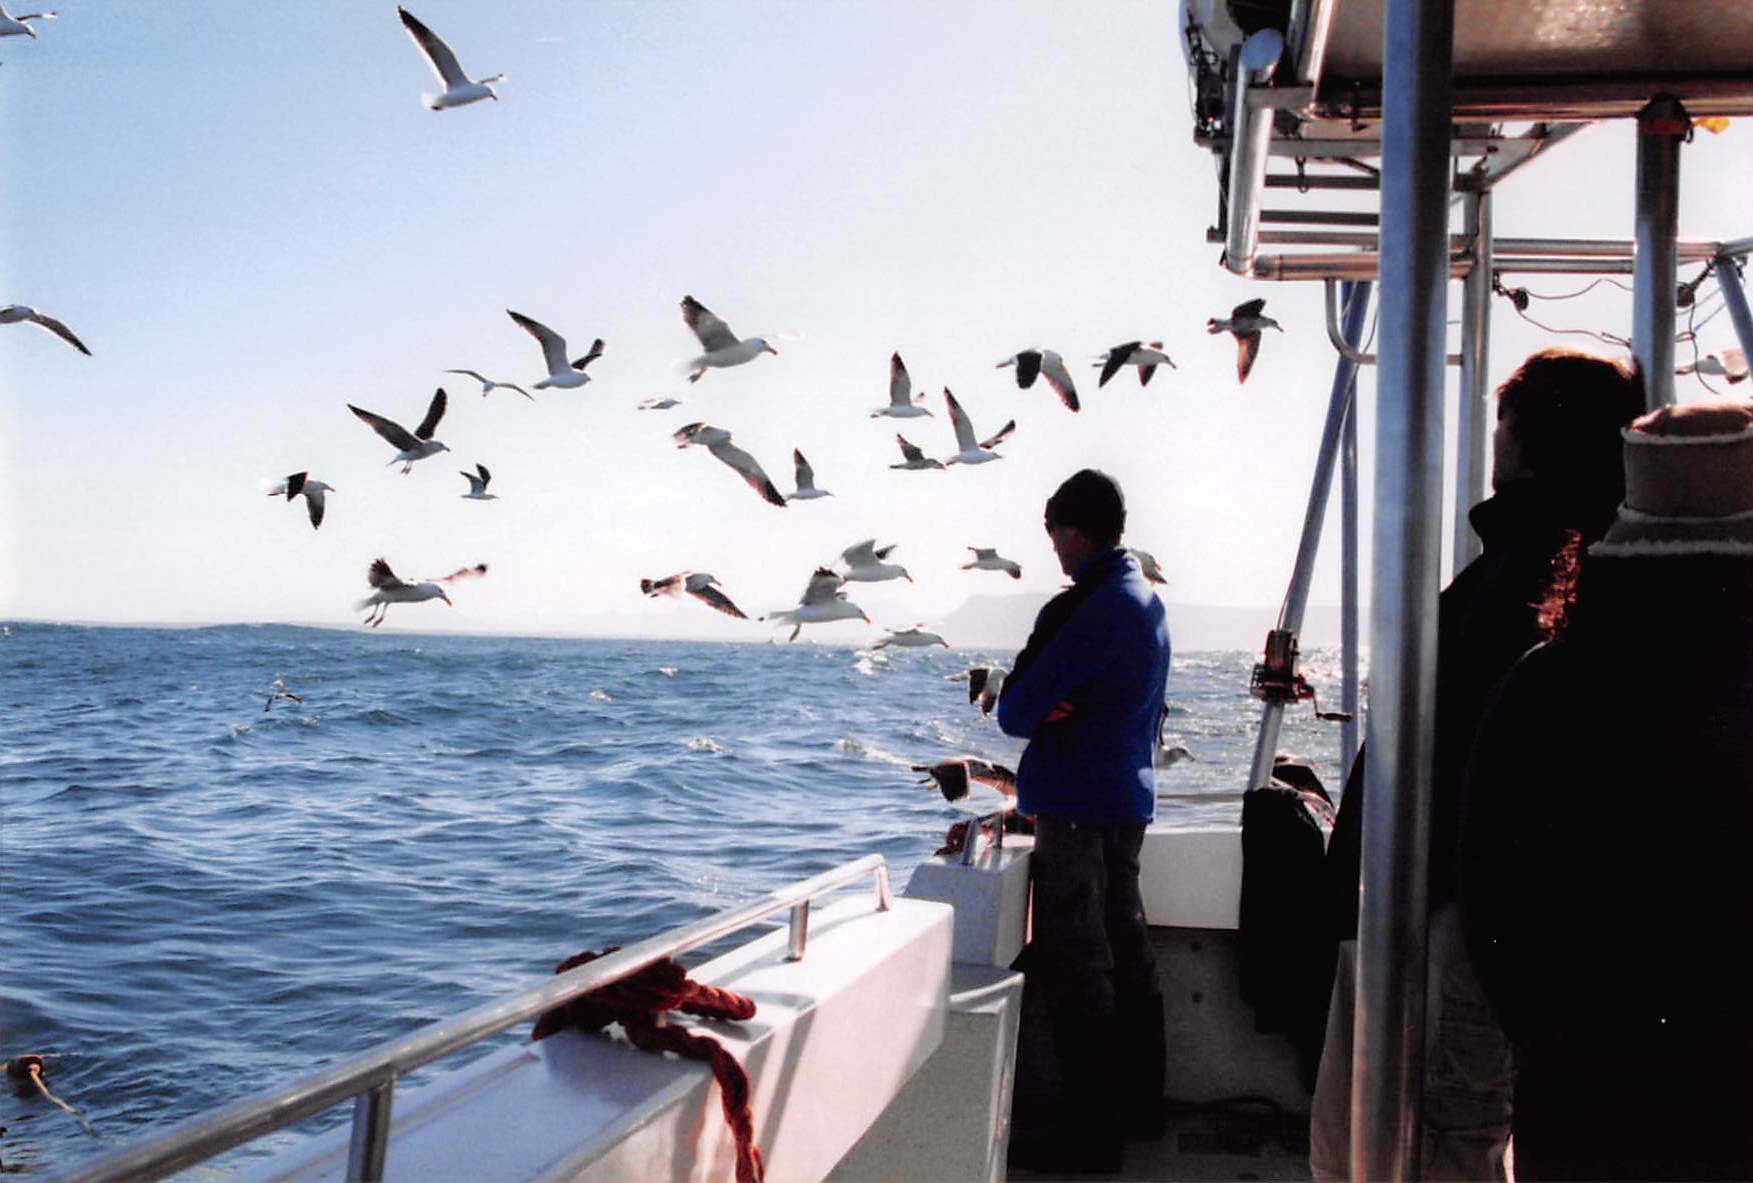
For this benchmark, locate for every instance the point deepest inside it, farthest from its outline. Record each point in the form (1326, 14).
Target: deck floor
(1243, 1140)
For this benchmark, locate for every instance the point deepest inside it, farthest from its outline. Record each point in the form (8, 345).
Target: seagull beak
(863, 617)
(446, 599)
(770, 349)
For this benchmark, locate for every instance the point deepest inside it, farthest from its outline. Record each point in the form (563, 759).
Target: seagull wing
(860, 554)
(1028, 367)
(1059, 378)
(438, 54)
(294, 484)
(823, 587)
(1249, 308)
(313, 500)
(959, 420)
(1247, 349)
(908, 451)
(379, 575)
(552, 343)
(596, 351)
(1000, 436)
(1116, 358)
(477, 570)
(750, 470)
(977, 682)
(806, 476)
(394, 433)
(56, 327)
(476, 484)
(993, 776)
(712, 596)
(713, 332)
(477, 377)
(486, 477)
(900, 384)
(667, 586)
(434, 412)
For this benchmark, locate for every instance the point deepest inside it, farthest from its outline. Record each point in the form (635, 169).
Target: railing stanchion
(800, 931)
(371, 1133)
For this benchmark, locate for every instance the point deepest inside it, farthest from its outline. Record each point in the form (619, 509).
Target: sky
(254, 222)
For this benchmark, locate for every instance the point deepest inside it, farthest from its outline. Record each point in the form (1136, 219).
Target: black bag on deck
(1286, 951)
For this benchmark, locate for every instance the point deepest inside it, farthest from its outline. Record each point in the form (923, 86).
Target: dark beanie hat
(1089, 500)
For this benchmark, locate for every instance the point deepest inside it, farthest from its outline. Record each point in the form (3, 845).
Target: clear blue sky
(248, 215)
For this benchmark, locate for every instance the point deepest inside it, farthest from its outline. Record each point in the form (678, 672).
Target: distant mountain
(1003, 622)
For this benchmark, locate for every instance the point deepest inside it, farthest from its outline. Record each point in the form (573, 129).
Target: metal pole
(1728, 279)
(371, 1133)
(1661, 128)
(1473, 428)
(1251, 129)
(1387, 1067)
(1296, 597)
(1348, 730)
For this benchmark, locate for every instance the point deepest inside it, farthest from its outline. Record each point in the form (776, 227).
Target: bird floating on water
(388, 589)
(1146, 355)
(1245, 323)
(562, 373)
(1044, 363)
(823, 600)
(478, 481)
(911, 638)
(24, 314)
(1731, 364)
(988, 559)
(458, 91)
(717, 441)
(865, 563)
(953, 777)
(410, 446)
(969, 451)
(1147, 565)
(698, 584)
(488, 385)
(659, 404)
(806, 480)
(15, 26)
(722, 347)
(902, 403)
(300, 484)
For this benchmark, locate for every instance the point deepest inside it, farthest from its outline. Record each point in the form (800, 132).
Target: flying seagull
(1245, 324)
(458, 90)
(562, 373)
(387, 589)
(988, 559)
(1146, 355)
(865, 563)
(912, 457)
(911, 638)
(806, 480)
(659, 404)
(488, 384)
(1147, 565)
(21, 313)
(953, 777)
(822, 601)
(1044, 363)
(409, 447)
(970, 452)
(478, 481)
(299, 483)
(902, 404)
(721, 345)
(1731, 363)
(985, 684)
(14, 26)
(717, 441)
(698, 584)
(277, 692)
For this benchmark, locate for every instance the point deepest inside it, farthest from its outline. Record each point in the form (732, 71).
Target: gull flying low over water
(717, 441)
(970, 452)
(911, 638)
(806, 480)
(864, 563)
(1245, 323)
(458, 91)
(912, 457)
(1731, 363)
(15, 26)
(277, 692)
(823, 600)
(488, 384)
(24, 314)
(988, 559)
(985, 684)
(1146, 355)
(387, 589)
(953, 777)
(659, 404)
(721, 345)
(299, 483)
(902, 403)
(562, 373)
(699, 584)
(1044, 363)
(1147, 565)
(413, 446)
(478, 481)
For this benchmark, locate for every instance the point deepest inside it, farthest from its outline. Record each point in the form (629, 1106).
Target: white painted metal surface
(1192, 878)
(991, 899)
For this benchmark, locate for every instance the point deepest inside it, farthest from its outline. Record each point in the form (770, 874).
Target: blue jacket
(1110, 660)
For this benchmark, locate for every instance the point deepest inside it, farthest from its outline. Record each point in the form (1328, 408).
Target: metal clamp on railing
(977, 826)
(371, 1077)
(1277, 679)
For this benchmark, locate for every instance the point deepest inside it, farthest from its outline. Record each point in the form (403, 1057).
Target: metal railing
(370, 1078)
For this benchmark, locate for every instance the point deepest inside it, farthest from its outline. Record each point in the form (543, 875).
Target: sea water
(203, 895)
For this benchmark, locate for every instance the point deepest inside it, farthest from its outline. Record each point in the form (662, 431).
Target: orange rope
(637, 1001)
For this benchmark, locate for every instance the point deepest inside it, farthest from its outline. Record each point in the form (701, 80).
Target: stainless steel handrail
(367, 1075)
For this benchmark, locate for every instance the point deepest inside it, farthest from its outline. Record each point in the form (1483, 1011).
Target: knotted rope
(637, 1002)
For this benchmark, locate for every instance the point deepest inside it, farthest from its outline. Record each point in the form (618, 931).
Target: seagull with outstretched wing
(410, 445)
(459, 90)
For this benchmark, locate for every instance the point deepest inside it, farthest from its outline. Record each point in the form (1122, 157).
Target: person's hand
(1063, 711)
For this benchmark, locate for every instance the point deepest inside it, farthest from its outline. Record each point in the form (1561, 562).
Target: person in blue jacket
(1087, 693)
